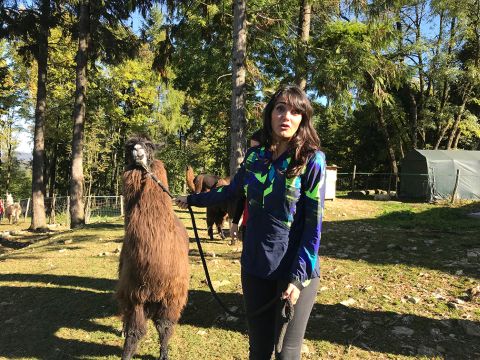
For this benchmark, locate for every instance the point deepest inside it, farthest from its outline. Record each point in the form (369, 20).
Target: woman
(283, 181)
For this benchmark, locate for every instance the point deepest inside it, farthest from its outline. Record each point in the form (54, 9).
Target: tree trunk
(458, 117)
(442, 129)
(413, 118)
(458, 135)
(52, 179)
(388, 142)
(441, 134)
(39, 221)
(9, 138)
(53, 172)
(302, 43)
(422, 94)
(77, 213)
(238, 122)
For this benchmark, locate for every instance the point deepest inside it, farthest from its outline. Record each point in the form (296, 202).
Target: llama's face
(139, 153)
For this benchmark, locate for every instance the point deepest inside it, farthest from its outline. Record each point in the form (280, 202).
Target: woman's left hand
(291, 293)
(181, 202)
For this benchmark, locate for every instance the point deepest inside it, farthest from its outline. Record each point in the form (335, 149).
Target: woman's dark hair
(305, 141)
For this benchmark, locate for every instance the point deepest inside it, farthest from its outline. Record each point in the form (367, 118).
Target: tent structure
(432, 174)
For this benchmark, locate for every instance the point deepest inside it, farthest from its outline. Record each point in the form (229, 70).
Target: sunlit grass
(404, 265)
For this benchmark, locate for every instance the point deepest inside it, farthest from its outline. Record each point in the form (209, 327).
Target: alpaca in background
(13, 210)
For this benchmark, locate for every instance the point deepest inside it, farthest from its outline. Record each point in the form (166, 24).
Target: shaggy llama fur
(154, 269)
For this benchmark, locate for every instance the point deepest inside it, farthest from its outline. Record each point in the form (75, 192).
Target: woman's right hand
(181, 202)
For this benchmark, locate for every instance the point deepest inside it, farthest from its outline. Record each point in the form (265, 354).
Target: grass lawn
(399, 281)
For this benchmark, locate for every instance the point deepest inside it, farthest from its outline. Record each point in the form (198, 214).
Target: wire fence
(110, 208)
(57, 209)
(367, 182)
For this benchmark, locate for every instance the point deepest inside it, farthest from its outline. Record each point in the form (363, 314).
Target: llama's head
(139, 152)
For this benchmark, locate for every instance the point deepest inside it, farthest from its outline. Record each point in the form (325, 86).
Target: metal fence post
(26, 211)
(121, 205)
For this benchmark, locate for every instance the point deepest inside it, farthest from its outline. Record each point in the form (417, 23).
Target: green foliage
(415, 63)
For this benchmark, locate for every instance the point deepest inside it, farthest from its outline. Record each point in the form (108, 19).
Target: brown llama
(154, 268)
(217, 214)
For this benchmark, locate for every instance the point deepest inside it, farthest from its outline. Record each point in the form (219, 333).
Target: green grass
(405, 265)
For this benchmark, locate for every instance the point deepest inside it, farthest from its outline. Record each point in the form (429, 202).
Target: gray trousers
(264, 329)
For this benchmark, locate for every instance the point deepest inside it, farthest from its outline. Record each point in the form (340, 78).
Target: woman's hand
(291, 293)
(181, 202)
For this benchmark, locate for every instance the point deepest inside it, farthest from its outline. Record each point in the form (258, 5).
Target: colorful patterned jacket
(285, 214)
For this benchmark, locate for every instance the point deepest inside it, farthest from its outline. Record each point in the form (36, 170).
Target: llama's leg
(135, 328)
(220, 226)
(165, 331)
(210, 232)
(210, 223)
(220, 230)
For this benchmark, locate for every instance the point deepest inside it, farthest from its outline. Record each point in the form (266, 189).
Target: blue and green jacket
(285, 214)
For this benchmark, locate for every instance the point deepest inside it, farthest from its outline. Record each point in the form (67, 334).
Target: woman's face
(285, 120)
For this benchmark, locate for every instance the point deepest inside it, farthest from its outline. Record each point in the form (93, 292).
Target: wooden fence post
(88, 209)
(121, 205)
(454, 193)
(353, 177)
(68, 211)
(52, 210)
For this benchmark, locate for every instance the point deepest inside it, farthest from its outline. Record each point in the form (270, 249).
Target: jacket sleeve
(222, 193)
(313, 193)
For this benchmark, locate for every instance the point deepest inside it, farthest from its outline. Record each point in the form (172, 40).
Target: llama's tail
(190, 176)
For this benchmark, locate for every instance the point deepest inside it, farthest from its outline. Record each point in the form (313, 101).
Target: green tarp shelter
(431, 174)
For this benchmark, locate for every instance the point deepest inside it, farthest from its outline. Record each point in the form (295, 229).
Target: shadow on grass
(34, 316)
(12, 244)
(440, 238)
(104, 226)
